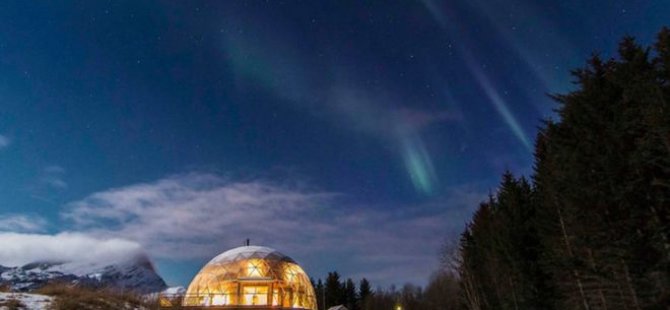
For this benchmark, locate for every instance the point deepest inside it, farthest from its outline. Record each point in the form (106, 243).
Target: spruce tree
(364, 294)
(319, 291)
(592, 231)
(351, 297)
(334, 290)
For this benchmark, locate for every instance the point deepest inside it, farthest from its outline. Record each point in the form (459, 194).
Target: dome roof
(255, 276)
(249, 251)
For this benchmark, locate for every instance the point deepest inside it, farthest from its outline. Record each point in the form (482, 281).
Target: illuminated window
(255, 268)
(256, 295)
(288, 298)
(220, 300)
(275, 297)
(290, 274)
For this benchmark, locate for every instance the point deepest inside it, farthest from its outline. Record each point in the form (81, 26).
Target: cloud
(20, 249)
(48, 183)
(22, 223)
(198, 211)
(54, 169)
(52, 176)
(196, 216)
(4, 142)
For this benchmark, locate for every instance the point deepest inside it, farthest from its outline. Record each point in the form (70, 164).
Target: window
(255, 295)
(220, 300)
(255, 268)
(275, 297)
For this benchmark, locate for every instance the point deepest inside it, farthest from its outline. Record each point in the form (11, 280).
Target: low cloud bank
(196, 216)
(18, 249)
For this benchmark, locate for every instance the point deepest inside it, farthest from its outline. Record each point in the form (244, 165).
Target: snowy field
(30, 301)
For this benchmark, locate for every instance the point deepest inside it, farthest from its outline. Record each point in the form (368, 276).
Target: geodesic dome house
(251, 277)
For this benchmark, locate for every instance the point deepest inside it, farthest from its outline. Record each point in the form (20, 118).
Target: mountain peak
(135, 272)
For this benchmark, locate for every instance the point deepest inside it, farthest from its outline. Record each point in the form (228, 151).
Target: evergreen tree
(364, 294)
(351, 298)
(334, 290)
(319, 291)
(597, 177)
(592, 231)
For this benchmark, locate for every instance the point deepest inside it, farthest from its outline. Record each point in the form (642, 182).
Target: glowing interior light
(254, 268)
(253, 279)
(220, 300)
(290, 274)
(275, 297)
(256, 295)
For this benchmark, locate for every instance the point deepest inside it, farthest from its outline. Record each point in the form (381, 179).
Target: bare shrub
(68, 297)
(12, 304)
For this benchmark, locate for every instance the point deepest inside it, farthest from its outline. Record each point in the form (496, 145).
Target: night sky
(355, 136)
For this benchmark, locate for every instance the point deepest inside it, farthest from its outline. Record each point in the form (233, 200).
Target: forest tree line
(360, 296)
(589, 229)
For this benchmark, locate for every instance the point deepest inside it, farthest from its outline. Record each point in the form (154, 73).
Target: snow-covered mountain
(135, 273)
(29, 301)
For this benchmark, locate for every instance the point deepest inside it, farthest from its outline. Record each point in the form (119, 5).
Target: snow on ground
(174, 290)
(30, 301)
